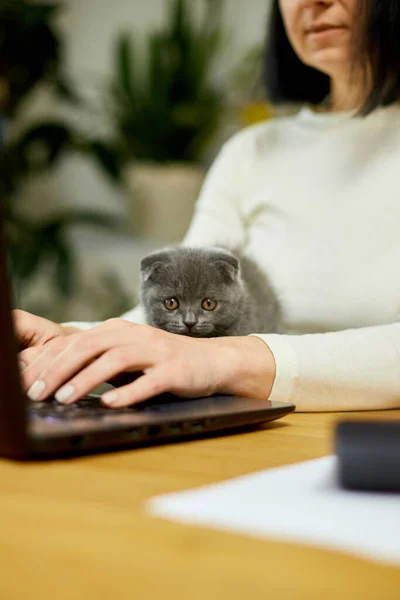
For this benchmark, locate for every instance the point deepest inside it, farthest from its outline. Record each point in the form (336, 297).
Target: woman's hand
(71, 366)
(34, 332)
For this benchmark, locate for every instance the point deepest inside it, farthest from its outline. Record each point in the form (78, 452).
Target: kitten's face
(188, 291)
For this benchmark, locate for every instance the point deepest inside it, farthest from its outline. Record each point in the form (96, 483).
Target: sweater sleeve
(353, 369)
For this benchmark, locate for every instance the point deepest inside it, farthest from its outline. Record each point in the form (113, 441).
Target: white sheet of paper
(299, 503)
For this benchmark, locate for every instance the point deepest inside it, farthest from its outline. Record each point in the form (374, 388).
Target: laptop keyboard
(88, 407)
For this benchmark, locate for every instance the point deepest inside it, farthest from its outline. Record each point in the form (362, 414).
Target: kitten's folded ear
(228, 266)
(152, 263)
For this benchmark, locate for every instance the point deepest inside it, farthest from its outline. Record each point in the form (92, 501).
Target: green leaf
(178, 21)
(48, 140)
(57, 250)
(24, 258)
(38, 13)
(108, 158)
(124, 64)
(31, 47)
(65, 268)
(30, 244)
(66, 91)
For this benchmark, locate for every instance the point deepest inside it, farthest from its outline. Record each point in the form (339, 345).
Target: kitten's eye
(209, 304)
(171, 303)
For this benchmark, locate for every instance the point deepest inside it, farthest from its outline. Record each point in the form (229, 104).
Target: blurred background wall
(93, 172)
(90, 25)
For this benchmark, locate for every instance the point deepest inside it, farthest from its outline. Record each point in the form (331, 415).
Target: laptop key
(90, 406)
(87, 407)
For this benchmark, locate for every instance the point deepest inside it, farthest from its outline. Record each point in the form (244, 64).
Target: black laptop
(47, 429)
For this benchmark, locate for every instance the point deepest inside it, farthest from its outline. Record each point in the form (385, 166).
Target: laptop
(37, 430)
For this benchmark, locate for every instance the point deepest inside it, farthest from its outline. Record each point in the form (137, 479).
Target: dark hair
(376, 42)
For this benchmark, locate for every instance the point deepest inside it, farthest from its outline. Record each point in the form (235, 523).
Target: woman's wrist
(248, 367)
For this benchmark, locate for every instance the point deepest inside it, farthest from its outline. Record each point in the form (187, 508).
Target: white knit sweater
(315, 200)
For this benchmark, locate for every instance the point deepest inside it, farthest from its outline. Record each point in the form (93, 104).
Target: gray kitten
(207, 292)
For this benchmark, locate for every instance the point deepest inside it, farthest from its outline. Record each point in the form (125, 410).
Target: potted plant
(31, 52)
(164, 109)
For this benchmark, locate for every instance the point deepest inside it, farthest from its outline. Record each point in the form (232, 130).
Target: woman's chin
(330, 60)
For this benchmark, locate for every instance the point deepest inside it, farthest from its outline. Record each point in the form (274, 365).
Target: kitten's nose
(189, 323)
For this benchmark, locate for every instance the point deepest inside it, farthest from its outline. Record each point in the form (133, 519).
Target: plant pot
(162, 198)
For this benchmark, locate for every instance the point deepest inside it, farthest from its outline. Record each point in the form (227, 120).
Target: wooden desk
(77, 529)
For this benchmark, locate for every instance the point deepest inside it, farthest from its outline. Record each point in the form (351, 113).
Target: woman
(314, 198)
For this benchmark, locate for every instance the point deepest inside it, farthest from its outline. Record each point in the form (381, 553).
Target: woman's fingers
(28, 356)
(31, 330)
(188, 377)
(82, 346)
(104, 368)
(64, 358)
(153, 382)
(46, 368)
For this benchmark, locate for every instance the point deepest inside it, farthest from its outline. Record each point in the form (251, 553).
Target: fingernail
(110, 398)
(36, 390)
(64, 393)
